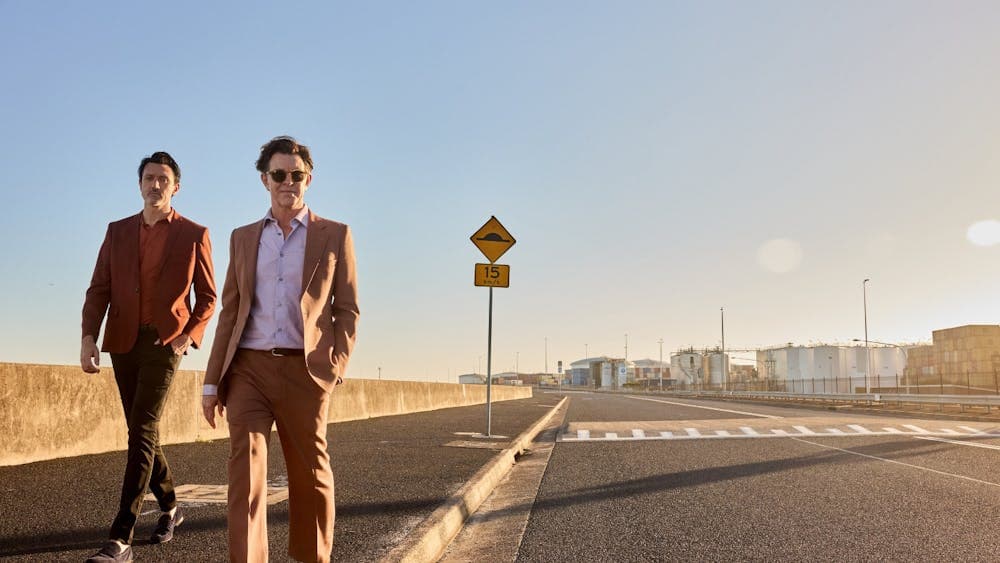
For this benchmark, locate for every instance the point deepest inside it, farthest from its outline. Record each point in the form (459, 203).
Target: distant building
(958, 359)
(472, 379)
(648, 369)
(601, 372)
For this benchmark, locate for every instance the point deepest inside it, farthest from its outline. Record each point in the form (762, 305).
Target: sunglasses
(280, 175)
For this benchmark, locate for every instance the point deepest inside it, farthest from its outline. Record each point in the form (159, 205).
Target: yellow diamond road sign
(492, 240)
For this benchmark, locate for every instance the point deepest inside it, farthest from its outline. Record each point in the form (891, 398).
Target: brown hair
(283, 145)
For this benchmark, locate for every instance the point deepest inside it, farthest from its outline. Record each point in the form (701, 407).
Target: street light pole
(546, 355)
(868, 353)
(661, 363)
(722, 359)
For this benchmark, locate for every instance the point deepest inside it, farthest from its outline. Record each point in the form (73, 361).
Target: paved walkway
(390, 474)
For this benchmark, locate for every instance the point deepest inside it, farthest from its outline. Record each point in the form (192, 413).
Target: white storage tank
(717, 364)
(607, 371)
(888, 363)
(686, 367)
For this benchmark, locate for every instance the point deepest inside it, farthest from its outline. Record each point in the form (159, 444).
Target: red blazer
(329, 301)
(114, 287)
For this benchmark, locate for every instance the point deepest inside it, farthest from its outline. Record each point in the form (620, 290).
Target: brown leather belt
(279, 352)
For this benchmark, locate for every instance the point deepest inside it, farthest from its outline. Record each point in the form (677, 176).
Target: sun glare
(779, 255)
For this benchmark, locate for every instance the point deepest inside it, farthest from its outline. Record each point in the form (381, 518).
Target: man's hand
(90, 355)
(180, 344)
(209, 403)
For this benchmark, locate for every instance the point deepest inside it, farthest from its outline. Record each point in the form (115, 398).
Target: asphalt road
(633, 479)
(390, 473)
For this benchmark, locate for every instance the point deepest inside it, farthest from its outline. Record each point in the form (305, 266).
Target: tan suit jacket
(329, 301)
(114, 287)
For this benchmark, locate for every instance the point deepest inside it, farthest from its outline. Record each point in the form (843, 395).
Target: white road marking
(959, 442)
(702, 407)
(691, 433)
(898, 462)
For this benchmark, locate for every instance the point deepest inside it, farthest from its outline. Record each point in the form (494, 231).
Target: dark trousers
(143, 376)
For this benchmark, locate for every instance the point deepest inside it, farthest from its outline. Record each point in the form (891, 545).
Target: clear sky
(655, 160)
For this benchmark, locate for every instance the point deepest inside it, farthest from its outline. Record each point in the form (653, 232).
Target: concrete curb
(427, 542)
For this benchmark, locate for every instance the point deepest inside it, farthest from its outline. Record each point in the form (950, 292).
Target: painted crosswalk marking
(793, 430)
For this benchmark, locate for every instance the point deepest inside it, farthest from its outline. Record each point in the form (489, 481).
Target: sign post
(492, 239)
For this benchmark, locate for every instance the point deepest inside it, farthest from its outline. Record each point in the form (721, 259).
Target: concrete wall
(50, 411)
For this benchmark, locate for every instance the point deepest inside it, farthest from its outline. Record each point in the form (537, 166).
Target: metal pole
(489, 374)
(546, 355)
(868, 353)
(661, 364)
(725, 372)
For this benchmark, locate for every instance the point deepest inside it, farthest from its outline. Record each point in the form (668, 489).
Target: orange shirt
(152, 244)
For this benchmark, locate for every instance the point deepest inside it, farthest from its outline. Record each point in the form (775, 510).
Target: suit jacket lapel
(315, 244)
(251, 247)
(130, 247)
(173, 228)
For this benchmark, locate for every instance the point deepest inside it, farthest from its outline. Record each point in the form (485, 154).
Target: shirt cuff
(209, 389)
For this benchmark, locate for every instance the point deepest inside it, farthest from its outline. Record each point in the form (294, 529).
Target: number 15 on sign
(492, 275)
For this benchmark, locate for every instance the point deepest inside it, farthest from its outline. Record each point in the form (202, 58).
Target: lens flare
(779, 255)
(984, 233)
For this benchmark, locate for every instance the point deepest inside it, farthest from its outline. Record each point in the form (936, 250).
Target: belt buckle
(274, 352)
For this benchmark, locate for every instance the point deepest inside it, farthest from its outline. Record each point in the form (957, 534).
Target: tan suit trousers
(265, 389)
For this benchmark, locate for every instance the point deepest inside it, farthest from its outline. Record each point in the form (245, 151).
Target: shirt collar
(302, 217)
(169, 218)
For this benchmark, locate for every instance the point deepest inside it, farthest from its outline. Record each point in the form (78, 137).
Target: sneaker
(112, 552)
(164, 531)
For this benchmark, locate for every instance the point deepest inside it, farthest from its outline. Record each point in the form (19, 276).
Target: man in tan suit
(286, 330)
(146, 269)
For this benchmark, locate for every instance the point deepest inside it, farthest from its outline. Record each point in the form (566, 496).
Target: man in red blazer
(286, 330)
(145, 272)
